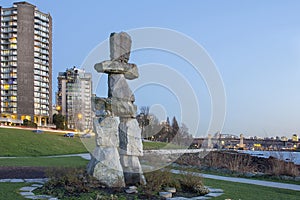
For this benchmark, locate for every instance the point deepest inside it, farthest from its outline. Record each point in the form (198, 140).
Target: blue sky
(254, 44)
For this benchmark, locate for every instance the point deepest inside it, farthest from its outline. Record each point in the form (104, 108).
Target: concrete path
(245, 180)
(86, 156)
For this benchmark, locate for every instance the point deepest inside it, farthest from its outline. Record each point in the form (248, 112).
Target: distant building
(295, 138)
(73, 98)
(284, 138)
(26, 64)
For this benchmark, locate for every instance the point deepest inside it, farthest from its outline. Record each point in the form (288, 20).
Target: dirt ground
(22, 172)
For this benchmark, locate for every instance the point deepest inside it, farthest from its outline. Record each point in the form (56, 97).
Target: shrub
(29, 123)
(69, 182)
(159, 179)
(191, 183)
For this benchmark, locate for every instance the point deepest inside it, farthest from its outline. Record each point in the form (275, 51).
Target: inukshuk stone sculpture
(118, 136)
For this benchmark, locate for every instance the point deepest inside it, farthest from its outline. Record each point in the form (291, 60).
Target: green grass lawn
(44, 162)
(218, 173)
(16, 142)
(235, 191)
(11, 190)
(149, 145)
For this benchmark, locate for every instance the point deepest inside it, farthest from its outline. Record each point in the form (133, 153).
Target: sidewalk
(86, 156)
(245, 180)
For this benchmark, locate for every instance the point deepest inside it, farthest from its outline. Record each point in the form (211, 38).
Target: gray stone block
(26, 193)
(107, 133)
(122, 108)
(132, 170)
(119, 88)
(27, 189)
(105, 166)
(130, 137)
(113, 67)
(16, 180)
(165, 194)
(120, 45)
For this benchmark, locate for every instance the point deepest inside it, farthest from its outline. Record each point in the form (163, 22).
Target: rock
(132, 187)
(107, 133)
(130, 137)
(213, 194)
(98, 104)
(26, 193)
(131, 191)
(31, 197)
(119, 88)
(37, 185)
(286, 177)
(105, 166)
(122, 108)
(214, 190)
(249, 174)
(170, 189)
(200, 189)
(132, 170)
(16, 180)
(130, 71)
(165, 194)
(27, 189)
(43, 197)
(37, 180)
(120, 45)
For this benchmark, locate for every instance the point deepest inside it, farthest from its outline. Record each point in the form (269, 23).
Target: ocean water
(282, 155)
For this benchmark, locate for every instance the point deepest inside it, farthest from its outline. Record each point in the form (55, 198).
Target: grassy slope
(15, 142)
(44, 162)
(249, 192)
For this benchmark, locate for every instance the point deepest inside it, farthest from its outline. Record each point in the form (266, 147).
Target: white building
(73, 98)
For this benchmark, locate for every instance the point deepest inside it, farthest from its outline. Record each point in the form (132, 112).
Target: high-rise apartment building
(73, 98)
(26, 63)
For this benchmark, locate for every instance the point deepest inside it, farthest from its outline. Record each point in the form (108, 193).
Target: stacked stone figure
(115, 160)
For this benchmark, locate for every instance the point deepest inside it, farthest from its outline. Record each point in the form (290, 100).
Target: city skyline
(255, 46)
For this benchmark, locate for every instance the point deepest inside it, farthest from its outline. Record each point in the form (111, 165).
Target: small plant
(159, 179)
(69, 182)
(191, 183)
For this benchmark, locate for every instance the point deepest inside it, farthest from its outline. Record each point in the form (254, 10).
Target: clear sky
(254, 44)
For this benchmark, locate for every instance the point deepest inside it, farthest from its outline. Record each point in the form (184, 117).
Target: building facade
(26, 63)
(73, 99)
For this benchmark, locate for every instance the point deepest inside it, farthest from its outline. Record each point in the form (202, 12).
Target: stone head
(120, 45)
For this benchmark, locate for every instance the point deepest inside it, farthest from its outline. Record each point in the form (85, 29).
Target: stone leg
(132, 169)
(130, 148)
(105, 163)
(105, 166)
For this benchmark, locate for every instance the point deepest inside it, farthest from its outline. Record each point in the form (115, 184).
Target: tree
(143, 118)
(60, 121)
(29, 123)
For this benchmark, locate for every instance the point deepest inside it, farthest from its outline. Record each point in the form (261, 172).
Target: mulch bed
(23, 172)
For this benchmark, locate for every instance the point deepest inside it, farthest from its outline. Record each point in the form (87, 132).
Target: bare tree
(143, 118)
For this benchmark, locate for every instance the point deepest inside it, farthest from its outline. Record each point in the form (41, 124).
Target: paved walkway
(245, 180)
(86, 156)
